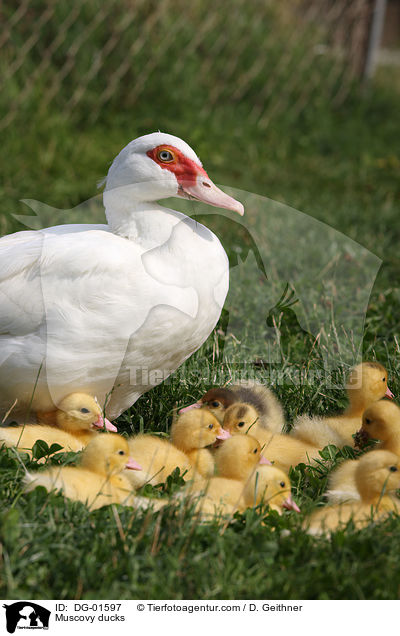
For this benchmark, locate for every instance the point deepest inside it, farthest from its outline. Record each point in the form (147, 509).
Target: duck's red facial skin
(185, 170)
(193, 181)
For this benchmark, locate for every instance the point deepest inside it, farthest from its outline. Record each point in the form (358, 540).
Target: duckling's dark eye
(215, 404)
(282, 484)
(165, 155)
(85, 410)
(383, 379)
(393, 469)
(240, 424)
(367, 420)
(211, 426)
(121, 452)
(255, 451)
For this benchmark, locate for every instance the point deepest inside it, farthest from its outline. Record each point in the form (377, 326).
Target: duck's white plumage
(112, 308)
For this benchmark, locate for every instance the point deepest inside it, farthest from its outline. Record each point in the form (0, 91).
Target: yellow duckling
(381, 421)
(377, 476)
(269, 410)
(98, 480)
(158, 458)
(236, 460)
(342, 485)
(367, 384)
(190, 435)
(270, 486)
(77, 419)
(195, 431)
(283, 450)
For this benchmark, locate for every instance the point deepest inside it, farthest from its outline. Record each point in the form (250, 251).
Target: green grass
(338, 165)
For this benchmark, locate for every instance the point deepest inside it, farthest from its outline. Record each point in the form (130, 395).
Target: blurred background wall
(86, 57)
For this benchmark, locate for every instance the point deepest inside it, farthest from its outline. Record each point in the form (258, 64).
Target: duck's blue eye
(215, 404)
(240, 424)
(393, 469)
(211, 426)
(282, 483)
(83, 410)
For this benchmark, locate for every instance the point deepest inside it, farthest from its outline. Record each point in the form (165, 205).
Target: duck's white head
(158, 166)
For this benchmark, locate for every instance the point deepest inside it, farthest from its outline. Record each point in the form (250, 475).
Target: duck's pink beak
(224, 434)
(100, 422)
(389, 394)
(265, 461)
(196, 405)
(132, 465)
(205, 190)
(290, 504)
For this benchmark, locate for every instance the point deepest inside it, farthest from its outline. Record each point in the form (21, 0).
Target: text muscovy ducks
(117, 307)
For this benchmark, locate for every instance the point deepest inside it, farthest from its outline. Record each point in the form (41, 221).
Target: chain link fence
(85, 57)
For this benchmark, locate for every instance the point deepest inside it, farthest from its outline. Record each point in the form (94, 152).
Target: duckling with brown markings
(269, 410)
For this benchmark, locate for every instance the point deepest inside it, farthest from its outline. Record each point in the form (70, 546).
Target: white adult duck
(118, 307)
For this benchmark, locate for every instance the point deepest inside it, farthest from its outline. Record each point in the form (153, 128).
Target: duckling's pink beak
(100, 422)
(265, 461)
(224, 434)
(132, 465)
(290, 504)
(389, 394)
(196, 405)
(205, 190)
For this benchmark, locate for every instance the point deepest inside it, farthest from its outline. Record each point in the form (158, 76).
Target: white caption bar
(22, 617)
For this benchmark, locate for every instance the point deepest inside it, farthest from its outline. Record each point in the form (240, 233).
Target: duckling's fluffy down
(98, 480)
(342, 483)
(267, 405)
(377, 477)
(25, 437)
(316, 431)
(367, 383)
(158, 459)
(83, 485)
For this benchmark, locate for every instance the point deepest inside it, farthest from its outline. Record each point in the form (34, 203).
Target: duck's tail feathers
(30, 481)
(342, 484)
(146, 503)
(315, 431)
(342, 496)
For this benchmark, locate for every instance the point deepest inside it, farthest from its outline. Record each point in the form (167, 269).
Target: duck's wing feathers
(79, 285)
